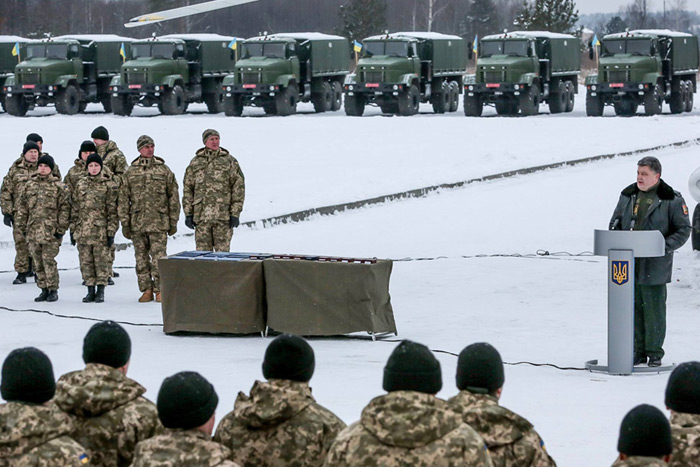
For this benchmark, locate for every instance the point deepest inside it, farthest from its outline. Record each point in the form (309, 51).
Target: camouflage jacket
(15, 181)
(113, 159)
(408, 428)
(37, 436)
(77, 172)
(511, 439)
(685, 430)
(44, 209)
(214, 186)
(182, 448)
(148, 198)
(110, 413)
(641, 461)
(94, 209)
(280, 416)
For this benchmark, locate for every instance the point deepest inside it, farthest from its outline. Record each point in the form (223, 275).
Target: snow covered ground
(541, 309)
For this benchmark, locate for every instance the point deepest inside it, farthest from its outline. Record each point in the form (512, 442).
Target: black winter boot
(90, 297)
(21, 278)
(100, 295)
(110, 281)
(42, 296)
(115, 274)
(52, 296)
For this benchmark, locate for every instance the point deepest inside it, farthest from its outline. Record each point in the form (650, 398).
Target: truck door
(74, 57)
(415, 59)
(183, 68)
(295, 66)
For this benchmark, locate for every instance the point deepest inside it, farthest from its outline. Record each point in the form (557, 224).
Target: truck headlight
(351, 87)
(516, 87)
(593, 87)
(272, 88)
(50, 88)
(471, 87)
(9, 89)
(396, 87)
(641, 86)
(228, 88)
(157, 88)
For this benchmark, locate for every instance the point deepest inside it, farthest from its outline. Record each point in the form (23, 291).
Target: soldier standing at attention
(213, 195)
(36, 138)
(94, 221)
(78, 170)
(43, 217)
(149, 208)
(645, 439)
(683, 400)
(511, 439)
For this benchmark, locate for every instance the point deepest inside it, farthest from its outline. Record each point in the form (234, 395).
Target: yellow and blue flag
(15, 49)
(233, 45)
(357, 46)
(595, 41)
(122, 51)
(476, 44)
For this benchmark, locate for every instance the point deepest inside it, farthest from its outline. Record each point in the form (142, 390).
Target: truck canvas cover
(329, 54)
(102, 49)
(683, 47)
(212, 51)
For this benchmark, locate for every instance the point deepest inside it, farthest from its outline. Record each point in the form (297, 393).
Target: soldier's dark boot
(90, 297)
(100, 295)
(110, 281)
(52, 296)
(115, 274)
(21, 278)
(42, 296)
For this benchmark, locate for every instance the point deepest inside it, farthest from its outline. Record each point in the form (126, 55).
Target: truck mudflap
(618, 88)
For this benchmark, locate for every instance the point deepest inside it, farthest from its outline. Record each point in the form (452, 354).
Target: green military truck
(173, 71)
(68, 71)
(11, 51)
(516, 71)
(399, 71)
(277, 71)
(643, 67)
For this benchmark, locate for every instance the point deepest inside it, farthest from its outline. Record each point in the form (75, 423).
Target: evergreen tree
(616, 24)
(482, 18)
(362, 18)
(548, 15)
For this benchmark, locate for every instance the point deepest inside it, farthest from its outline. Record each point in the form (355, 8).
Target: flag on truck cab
(15, 49)
(233, 44)
(122, 52)
(357, 47)
(476, 44)
(595, 41)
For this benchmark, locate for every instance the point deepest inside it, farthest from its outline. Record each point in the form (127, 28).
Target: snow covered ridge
(93, 37)
(531, 35)
(414, 34)
(648, 32)
(197, 37)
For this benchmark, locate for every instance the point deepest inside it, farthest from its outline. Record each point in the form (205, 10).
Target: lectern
(622, 247)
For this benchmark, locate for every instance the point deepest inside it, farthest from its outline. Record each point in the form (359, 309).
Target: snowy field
(540, 309)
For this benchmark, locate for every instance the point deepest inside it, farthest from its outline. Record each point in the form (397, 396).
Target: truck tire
(557, 98)
(530, 101)
(82, 107)
(121, 105)
(233, 106)
(215, 101)
(286, 100)
(16, 105)
(107, 104)
(409, 101)
(691, 96)
(174, 101)
(68, 101)
(354, 105)
(454, 96)
(626, 107)
(570, 96)
(270, 108)
(594, 105)
(2, 103)
(391, 108)
(323, 101)
(504, 106)
(337, 96)
(441, 99)
(473, 107)
(676, 102)
(652, 101)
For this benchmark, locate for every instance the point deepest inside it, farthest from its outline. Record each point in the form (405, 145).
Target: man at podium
(651, 204)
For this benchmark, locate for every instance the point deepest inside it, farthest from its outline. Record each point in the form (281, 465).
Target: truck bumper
(617, 89)
(492, 91)
(31, 90)
(267, 90)
(137, 91)
(375, 92)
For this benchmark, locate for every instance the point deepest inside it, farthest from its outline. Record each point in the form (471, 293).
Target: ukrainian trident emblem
(620, 270)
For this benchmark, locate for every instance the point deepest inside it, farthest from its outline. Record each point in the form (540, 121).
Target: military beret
(27, 376)
(144, 140)
(100, 133)
(412, 367)
(645, 431)
(46, 160)
(208, 134)
(480, 368)
(289, 357)
(107, 343)
(36, 137)
(683, 389)
(186, 400)
(28, 146)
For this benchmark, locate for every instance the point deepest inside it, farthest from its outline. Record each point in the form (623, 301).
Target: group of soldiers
(99, 416)
(100, 192)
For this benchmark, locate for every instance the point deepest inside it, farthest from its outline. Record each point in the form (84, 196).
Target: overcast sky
(606, 6)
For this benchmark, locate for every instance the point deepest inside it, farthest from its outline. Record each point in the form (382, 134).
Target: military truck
(644, 67)
(516, 71)
(277, 71)
(173, 71)
(8, 59)
(68, 71)
(399, 71)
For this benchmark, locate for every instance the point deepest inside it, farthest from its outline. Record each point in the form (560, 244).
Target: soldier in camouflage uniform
(683, 400)
(511, 439)
(409, 425)
(12, 187)
(186, 406)
(281, 416)
(43, 217)
(213, 195)
(94, 221)
(110, 411)
(149, 208)
(33, 431)
(645, 439)
(79, 169)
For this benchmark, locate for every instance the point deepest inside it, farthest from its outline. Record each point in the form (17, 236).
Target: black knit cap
(683, 389)
(87, 146)
(480, 368)
(107, 343)
(36, 137)
(46, 160)
(94, 157)
(28, 146)
(289, 357)
(412, 367)
(27, 376)
(645, 431)
(100, 133)
(186, 400)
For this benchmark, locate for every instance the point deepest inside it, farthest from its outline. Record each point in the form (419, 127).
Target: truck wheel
(68, 101)
(594, 105)
(2, 103)
(233, 106)
(652, 101)
(441, 99)
(691, 96)
(473, 107)
(16, 105)
(174, 101)
(530, 101)
(82, 107)
(503, 106)
(337, 96)
(389, 108)
(570, 96)
(270, 108)
(323, 101)
(107, 104)
(287, 100)
(557, 99)
(676, 102)
(409, 101)
(354, 105)
(626, 107)
(454, 96)
(121, 105)
(215, 101)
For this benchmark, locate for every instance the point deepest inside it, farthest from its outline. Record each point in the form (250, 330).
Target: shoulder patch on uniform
(83, 458)
(685, 209)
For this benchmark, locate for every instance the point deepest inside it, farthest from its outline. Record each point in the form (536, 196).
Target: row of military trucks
(515, 72)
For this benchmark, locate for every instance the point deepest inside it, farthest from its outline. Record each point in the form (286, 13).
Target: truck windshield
(516, 48)
(47, 50)
(393, 48)
(259, 49)
(152, 50)
(629, 46)
(489, 48)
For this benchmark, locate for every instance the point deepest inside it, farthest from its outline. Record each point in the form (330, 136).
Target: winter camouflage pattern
(511, 439)
(280, 424)
(34, 435)
(213, 236)
(45, 265)
(110, 412)
(408, 428)
(75, 173)
(113, 159)
(149, 247)
(182, 448)
(685, 430)
(640, 461)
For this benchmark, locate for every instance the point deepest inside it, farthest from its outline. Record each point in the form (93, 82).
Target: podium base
(593, 367)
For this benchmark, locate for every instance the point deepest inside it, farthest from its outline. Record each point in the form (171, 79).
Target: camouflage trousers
(95, 263)
(22, 255)
(149, 247)
(213, 236)
(45, 266)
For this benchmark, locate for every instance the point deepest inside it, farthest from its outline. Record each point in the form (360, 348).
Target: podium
(622, 247)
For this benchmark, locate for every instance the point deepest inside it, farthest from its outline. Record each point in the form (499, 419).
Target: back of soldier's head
(186, 400)
(412, 367)
(27, 376)
(480, 369)
(683, 389)
(107, 343)
(645, 431)
(289, 357)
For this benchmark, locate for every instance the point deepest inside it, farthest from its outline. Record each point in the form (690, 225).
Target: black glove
(233, 222)
(58, 236)
(189, 222)
(72, 239)
(8, 220)
(110, 241)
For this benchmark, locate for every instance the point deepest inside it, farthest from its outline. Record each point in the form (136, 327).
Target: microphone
(632, 224)
(615, 224)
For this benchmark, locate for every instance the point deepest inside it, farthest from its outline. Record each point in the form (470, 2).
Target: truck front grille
(29, 78)
(493, 77)
(250, 78)
(374, 77)
(617, 77)
(136, 78)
